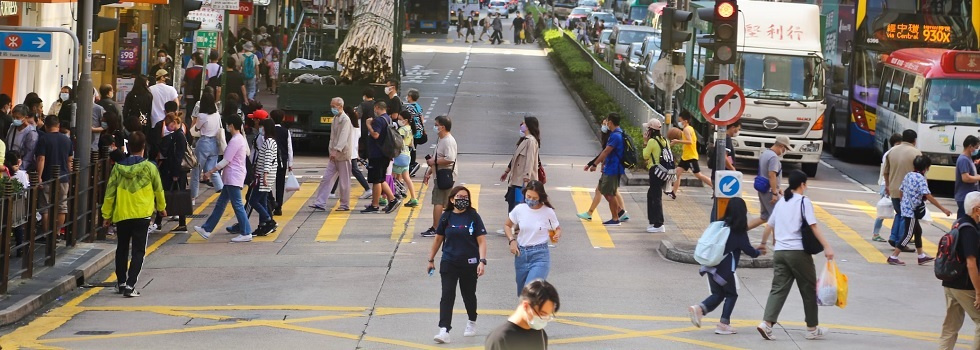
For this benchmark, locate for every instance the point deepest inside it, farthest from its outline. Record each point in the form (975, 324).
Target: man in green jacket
(133, 191)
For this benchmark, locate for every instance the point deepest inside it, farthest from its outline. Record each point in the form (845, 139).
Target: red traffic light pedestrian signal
(724, 22)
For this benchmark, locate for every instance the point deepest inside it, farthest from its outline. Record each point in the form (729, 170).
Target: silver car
(602, 44)
(648, 45)
(622, 36)
(498, 7)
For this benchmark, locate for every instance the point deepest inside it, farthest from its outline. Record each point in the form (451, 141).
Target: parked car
(594, 4)
(602, 43)
(644, 84)
(498, 7)
(578, 14)
(608, 21)
(622, 36)
(650, 44)
(627, 71)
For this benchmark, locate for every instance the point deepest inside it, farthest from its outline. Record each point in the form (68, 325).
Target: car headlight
(634, 64)
(809, 148)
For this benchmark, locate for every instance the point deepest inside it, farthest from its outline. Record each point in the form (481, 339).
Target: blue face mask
(605, 128)
(261, 131)
(436, 128)
(334, 111)
(105, 125)
(17, 122)
(532, 202)
(975, 152)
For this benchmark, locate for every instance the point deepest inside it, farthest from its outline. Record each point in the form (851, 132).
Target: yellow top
(690, 151)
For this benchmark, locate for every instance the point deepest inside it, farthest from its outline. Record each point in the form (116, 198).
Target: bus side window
(885, 87)
(896, 90)
(903, 104)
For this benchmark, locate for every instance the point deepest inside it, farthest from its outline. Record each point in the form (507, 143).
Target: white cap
(784, 140)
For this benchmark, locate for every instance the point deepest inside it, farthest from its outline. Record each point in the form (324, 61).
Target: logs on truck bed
(366, 51)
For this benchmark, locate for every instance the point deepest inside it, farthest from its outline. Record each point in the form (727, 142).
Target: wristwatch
(432, 260)
(484, 261)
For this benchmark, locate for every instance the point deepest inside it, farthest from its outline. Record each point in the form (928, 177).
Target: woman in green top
(655, 144)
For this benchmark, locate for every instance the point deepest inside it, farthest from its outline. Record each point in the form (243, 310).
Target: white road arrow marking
(417, 67)
(39, 42)
(510, 69)
(728, 186)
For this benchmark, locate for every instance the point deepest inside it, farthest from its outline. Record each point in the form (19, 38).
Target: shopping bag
(291, 183)
(827, 285)
(928, 216)
(179, 202)
(885, 208)
(841, 289)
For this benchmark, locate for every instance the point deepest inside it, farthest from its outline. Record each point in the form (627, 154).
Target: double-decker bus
(934, 92)
(859, 35)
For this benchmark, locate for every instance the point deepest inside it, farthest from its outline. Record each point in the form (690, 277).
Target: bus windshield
(952, 101)
(780, 77)
(638, 13)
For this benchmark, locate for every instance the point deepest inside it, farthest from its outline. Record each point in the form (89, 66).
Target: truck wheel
(810, 169)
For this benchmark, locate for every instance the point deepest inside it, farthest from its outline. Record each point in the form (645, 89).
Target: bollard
(72, 227)
(8, 212)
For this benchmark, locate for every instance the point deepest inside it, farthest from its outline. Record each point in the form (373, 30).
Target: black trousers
(496, 36)
(133, 230)
(511, 199)
(276, 202)
(169, 184)
(412, 163)
(454, 273)
(655, 200)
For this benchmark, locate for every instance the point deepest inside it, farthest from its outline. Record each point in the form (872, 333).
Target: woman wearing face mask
(537, 220)
(113, 136)
(462, 236)
(400, 168)
(64, 107)
(208, 145)
(654, 153)
(790, 261)
(172, 149)
(523, 166)
(267, 151)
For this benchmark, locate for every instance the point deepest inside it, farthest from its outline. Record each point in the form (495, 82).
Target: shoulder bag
(444, 177)
(810, 242)
(178, 201)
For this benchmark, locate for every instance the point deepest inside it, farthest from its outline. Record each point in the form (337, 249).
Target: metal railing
(37, 241)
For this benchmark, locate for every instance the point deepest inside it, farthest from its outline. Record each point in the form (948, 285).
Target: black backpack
(949, 265)
(666, 169)
(629, 159)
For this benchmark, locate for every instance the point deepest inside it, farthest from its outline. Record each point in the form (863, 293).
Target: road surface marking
(474, 195)
(597, 233)
(289, 209)
(405, 218)
(334, 225)
(927, 245)
(869, 252)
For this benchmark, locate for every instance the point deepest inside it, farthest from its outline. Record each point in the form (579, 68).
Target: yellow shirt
(690, 152)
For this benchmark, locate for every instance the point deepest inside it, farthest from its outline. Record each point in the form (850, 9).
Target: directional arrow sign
(722, 102)
(729, 184)
(25, 45)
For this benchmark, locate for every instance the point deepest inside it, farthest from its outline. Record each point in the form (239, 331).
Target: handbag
(178, 201)
(542, 176)
(444, 177)
(810, 242)
(189, 161)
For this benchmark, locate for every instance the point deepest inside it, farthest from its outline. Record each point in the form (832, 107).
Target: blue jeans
(207, 158)
(234, 195)
(960, 212)
(260, 202)
(897, 233)
(250, 87)
(533, 263)
(728, 293)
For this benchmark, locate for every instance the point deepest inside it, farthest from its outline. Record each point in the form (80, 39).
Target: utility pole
(83, 115)
(396, 51)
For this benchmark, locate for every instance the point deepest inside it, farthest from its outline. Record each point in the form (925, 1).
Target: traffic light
(674, 32)
(102, 24)
(179, 24)
(724, 20)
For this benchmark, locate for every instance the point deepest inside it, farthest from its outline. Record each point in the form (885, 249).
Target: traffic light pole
(83, 116)
(720, 154)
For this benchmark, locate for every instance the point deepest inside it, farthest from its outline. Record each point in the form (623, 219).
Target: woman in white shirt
(207, 151)
(536, 219)
(790, 261)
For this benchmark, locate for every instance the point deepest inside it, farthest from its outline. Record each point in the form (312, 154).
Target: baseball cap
(654, 124)
(259, 114)
(784, 140)
(162, 73)
(248, 46)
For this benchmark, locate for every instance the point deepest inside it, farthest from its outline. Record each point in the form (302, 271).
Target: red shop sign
(244, 8)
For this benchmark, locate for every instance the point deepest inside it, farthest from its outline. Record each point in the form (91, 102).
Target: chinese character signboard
(210, 18)
(932, 34)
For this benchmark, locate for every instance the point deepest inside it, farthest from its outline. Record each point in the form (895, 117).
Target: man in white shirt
(161, 93)
(213, 69)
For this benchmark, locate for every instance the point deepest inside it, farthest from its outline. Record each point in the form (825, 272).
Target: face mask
(162, 60)
(605, 128)
(105, 125)
(262, 131)
(63, 96)
(976, 151)
(17, 122)
(436, 128)
(536, 322)
(523, 129)
(387, 90)
(532, 202)
(461, 204)
(334, 111)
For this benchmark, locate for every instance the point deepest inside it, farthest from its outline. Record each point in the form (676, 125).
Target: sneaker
(392, 205)
(655, 229)
(233, 229)
(672, 195)
(442, 337)
(130, 292)
(153, 229)
(277, 212)
(371, 209)
(696, 314)
(585, 216)
(612, 223)
(877, 238)
(316, 207)
(625, 217)
(180, 229)
(333, 196)
(926, 260)
(724, 329)
(174, 218)
(383, 202)
(817, 333)
(412, 203)
(431, 232)
(367, 194)
(470, 329)
(120, 288)
(201, 232)
(895, 261)
(262, 230)
(765, 330)
(242, 238)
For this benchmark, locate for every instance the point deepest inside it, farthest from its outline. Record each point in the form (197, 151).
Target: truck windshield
(780, 77)
(952, 101)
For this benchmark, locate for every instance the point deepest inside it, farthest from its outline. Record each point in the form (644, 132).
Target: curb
(48, 291)
(685, 255)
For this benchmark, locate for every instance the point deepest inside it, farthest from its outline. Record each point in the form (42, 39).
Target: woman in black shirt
(138, 103)
(462, 236)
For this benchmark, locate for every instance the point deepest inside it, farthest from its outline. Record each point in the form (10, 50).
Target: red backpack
(949, 265)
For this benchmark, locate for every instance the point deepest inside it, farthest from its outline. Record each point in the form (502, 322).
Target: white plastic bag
(928, 216)
(885, 208)
(827, 285)
(291, 183)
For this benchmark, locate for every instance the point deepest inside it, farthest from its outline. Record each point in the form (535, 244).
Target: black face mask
(461, 204)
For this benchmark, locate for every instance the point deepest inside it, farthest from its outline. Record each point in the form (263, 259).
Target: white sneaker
(242, 238)
(153, 229)
(333, 196)
(724, 329)
(696, 315)
(442, 337)
(470, 329)
(817, 333)
(766, 331)
(367, 194)
(202, 232)
(654, 229)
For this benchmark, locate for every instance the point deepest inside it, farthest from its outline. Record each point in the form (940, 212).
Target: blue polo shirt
(613, 164)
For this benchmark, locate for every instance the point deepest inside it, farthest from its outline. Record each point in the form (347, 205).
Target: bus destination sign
(933, 34)
(967, 62)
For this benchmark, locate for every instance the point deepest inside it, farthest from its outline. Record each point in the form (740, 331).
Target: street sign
(211, 19)
(221, 4)
(206, 40)
(25, 45)
(729, 184)
(244, 8)
(722, 102)
(661, 75)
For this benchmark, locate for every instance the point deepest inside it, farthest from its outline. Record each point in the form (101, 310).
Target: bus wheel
(810, 169)
(831, 143)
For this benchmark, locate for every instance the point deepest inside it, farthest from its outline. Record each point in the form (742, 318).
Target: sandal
(877, 238)
(671, 195)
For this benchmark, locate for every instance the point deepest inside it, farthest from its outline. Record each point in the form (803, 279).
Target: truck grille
(783, 127)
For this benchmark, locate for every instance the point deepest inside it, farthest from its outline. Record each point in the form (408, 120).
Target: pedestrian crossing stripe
(474, 195)
(337, 220)
(852, 238)
(597, 233)
(290, 208)
(927, 245)
(404, 226)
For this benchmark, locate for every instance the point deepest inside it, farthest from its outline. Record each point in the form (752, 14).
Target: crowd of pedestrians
(472, 27)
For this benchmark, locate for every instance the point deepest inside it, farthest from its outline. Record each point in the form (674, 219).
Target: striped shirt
(266, 164)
